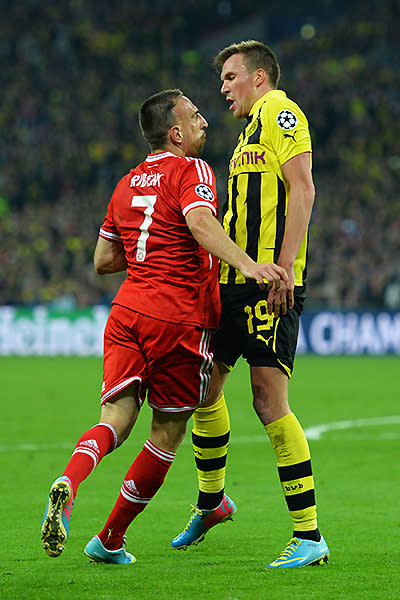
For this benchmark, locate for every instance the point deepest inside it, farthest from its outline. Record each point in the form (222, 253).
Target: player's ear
(259, 77)
(176, 134)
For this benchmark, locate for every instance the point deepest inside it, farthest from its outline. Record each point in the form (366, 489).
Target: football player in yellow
(267, 213)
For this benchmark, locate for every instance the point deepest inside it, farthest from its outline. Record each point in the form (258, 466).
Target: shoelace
(290, 548)
(195, 511)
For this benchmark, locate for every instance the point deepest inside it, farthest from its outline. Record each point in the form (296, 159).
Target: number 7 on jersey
(148, 203)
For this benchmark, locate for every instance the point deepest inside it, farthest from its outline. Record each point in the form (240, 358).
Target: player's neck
(169, 148)
(260, 92)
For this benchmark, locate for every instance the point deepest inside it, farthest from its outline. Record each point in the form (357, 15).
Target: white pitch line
(315, 432)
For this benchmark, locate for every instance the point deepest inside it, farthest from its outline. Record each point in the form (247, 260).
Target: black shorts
(248, 330)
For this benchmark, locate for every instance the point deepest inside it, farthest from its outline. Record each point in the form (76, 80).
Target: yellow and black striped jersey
(256, 205)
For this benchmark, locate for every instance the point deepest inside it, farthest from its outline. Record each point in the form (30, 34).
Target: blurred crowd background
(74, 74)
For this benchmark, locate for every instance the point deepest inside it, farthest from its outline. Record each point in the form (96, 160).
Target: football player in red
(161, 226)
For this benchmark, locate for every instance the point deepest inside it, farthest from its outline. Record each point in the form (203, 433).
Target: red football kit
(158, 329)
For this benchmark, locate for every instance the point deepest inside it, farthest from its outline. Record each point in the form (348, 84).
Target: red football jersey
(170, 276)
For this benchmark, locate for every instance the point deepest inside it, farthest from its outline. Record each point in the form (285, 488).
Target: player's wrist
(246, 266)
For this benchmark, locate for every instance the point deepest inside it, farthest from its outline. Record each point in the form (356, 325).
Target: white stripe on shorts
(206, 367)
(119, 387)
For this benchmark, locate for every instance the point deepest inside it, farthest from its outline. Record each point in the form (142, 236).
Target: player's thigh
(121, 411)
(272, 341)
(179, 364)
(219, 376)
(230, 337)
(246, 328)
(124, 363)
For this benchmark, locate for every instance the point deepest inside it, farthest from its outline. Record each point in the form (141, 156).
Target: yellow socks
(295, 473)
(210, 437)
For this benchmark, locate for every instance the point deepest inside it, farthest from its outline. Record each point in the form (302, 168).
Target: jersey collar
(258, 103)
(159, 156)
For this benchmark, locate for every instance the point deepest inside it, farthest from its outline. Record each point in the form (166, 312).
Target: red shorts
(171, 362)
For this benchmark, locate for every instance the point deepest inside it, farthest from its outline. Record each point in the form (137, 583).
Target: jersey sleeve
(198, 186)
(108, 230)
(288, 129)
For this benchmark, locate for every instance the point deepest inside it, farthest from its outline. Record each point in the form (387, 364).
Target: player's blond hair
(256, 55)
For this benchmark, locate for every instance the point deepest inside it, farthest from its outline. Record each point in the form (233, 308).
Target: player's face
(238, 86)
(192, 127)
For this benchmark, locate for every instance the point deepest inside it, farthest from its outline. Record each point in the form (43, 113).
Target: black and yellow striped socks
(295, 473)
(210, 437)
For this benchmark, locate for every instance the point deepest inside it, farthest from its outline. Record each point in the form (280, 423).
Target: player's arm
(109, 256)
(208, 232)
(297, 173)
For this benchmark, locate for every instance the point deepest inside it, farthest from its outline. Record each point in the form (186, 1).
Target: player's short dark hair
(156, 117)
(256, 55)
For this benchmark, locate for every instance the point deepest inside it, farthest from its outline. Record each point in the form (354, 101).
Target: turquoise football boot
(97, 553)
(300, 553)
(201, 521)
(55, 524)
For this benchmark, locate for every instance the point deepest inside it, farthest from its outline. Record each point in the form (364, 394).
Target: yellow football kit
(254, 214)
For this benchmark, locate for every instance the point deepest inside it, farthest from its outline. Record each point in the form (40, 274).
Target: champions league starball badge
(204, 192)
(286, 120)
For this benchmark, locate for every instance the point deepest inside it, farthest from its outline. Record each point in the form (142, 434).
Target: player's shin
(295, 473)
(90, 449)
(210, 437)
(143, 479)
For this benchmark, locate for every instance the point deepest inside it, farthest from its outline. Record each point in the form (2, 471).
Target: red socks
(144, 477)
(93, 445)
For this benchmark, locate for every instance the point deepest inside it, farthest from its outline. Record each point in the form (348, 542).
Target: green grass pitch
(48, 402)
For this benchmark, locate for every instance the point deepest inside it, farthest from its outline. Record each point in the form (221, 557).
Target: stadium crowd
(73, 77)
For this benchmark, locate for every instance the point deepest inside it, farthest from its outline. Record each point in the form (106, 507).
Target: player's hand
(290, 293)
(277, 301)
(282, 297)
(276, 280)
(270, 275)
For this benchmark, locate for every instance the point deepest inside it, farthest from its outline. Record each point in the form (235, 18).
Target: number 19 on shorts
(258, 318)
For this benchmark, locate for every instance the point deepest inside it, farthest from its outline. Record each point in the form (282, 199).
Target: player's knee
(260, 394)
(122, 437)
(269, 409)
(120, 428)
(260, 406)
(168, 437)
(263, 404)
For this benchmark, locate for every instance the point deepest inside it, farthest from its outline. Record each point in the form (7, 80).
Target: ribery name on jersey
(147, 180)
